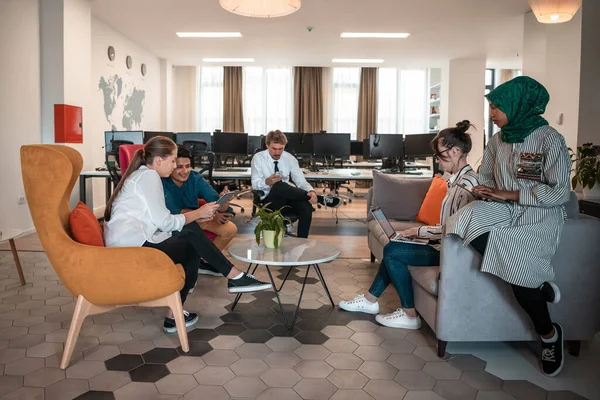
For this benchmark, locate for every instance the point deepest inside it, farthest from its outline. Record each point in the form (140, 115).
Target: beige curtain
(367, 103)
(506, 75)
(233, 115)
(308, 99)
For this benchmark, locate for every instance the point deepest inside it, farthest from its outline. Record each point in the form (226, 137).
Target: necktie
(276, 167)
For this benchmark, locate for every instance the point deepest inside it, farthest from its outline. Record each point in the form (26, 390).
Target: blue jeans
(394, 269)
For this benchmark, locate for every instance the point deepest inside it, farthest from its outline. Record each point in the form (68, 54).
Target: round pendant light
(554, 11)
(261, 8)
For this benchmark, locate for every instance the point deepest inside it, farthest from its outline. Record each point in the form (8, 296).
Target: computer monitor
(366, 149)
(356, 148)
(135, 137)
(386, 145)
(255, 143)
(149, 135)
(300, 144)
(336, 145)
(181, 137)
(418, 145)
(230, 143)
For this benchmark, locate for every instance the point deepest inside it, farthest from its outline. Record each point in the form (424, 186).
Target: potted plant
(272, 226)
(587, 170)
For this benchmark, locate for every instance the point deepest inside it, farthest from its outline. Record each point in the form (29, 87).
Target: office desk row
(331, 175)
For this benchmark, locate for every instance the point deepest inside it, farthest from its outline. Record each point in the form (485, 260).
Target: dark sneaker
(552, 354)
(190, 319)
(207, 269)
(329, 201)
(247, 283)
(551, 292)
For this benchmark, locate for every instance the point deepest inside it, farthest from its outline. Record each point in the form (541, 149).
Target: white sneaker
(360, 304)
(399, 319)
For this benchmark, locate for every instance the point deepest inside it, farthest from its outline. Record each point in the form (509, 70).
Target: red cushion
(210, 235)
(430, 211)
(85, 227)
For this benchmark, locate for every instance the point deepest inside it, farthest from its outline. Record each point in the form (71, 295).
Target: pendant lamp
(261, 8)
(554, 11)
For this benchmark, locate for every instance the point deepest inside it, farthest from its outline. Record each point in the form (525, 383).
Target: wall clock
(143, 69)
(129, 62)
(111, 53)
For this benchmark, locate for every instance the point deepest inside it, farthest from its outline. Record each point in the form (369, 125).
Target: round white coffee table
(293, 252)
(10, 236)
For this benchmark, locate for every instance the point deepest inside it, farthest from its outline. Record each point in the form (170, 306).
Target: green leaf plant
(587, 165)
(270, 220)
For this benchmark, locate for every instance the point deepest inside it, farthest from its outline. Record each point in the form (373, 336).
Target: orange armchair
(101, 278)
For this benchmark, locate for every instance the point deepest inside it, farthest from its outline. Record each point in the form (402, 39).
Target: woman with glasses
(527, 165)
(451, 147)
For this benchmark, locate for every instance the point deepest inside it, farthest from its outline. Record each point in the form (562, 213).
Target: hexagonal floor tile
(467, 362)
(160, 356)
(348, 379)
(344, 361)
(44, 377)
(214, 375)
(279, 394)
(312, 352)
(455, 390)
(197, 349)
(415, 380)
(280, 378)
(378, 370)
(109, 381)
(202, 335)
(312, 337)
(340, 345)
(249, 367)
(85, 369)
(283, 344)
(442, 370)
(282, 360)
(244, 387)
(385, 390)
(314, 369)
(176, 384)
(256, 336)
(223, 358)
(315, 389)
(123, 362)
(231, 329)
(186, 365)
(149, 373)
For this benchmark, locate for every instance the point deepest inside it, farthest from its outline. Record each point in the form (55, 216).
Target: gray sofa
(462, 304)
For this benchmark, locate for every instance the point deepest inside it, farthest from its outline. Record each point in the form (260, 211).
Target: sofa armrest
(369, 201)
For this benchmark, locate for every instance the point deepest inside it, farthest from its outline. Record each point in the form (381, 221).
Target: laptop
(388, 229)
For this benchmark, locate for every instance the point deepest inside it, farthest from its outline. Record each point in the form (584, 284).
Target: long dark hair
(453, 137)
(158, 146)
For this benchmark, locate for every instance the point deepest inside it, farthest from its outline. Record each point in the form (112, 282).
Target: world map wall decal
(123, 103)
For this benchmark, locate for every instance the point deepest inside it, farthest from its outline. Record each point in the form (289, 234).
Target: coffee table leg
(324, 284)
(239, 295)
(289, 326)
(284, 279)
(13, 248)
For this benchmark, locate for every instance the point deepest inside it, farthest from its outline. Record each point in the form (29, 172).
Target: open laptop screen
(378, 214)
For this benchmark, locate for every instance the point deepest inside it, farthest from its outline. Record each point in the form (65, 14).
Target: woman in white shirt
(451, 147)
(136, 215)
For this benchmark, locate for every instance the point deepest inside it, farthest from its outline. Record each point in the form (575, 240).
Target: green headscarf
(523, 100)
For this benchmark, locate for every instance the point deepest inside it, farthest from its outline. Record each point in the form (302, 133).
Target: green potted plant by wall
(272, 226)
(587, 170)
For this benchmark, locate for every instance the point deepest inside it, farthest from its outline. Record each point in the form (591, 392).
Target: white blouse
(139, 213)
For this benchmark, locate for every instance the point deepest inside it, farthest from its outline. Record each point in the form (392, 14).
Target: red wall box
(68, 124)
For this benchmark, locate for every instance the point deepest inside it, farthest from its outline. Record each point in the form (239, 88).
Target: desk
(10, 236)
(85, 175)
(293, 253)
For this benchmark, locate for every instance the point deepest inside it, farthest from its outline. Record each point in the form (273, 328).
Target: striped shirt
(456, 197)
(523, 235)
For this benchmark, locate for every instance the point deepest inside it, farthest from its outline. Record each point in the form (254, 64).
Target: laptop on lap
(388, 229)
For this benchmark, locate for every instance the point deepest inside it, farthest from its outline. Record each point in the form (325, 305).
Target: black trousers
(530, 299)
(205, 248)
(283, 194)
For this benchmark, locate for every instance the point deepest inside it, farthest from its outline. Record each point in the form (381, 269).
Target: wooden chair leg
(441, 348)
(174, 302)
(13, 248)
(82, 310)
(574, 346)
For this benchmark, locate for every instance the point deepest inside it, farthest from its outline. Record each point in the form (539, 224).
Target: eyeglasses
(439, 156)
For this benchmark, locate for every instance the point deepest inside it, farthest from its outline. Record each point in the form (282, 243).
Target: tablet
(479, 196)
(226, 197)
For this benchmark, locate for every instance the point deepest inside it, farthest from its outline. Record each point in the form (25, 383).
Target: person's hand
(273, 179)
(410, 233)
(312, 197)
(207, 211)
(222, 218)
(225, 190)
(488, 192)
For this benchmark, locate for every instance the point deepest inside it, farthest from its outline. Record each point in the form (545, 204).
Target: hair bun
(463, 125)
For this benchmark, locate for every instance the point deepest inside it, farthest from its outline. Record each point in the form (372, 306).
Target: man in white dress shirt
(272, 170)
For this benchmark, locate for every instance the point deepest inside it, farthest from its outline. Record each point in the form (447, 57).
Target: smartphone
(479, 196)
(226, 197)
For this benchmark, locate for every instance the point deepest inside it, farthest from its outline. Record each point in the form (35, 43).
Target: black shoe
(246, 283)
(551, 292)
(552, 359)
(329, 201)
(190, 319)
(207, 269)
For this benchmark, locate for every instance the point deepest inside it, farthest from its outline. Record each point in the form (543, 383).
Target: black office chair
(112, 160)
(256, 203)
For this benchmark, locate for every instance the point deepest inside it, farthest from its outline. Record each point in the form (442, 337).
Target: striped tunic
(524, 235)
(456, 197)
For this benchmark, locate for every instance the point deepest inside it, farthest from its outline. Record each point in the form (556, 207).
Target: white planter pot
(269, 239)
(593, 193)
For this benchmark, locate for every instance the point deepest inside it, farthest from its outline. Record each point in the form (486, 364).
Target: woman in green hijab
(525, 173)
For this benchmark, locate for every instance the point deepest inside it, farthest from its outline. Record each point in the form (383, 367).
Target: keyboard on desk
(397, 171)
(231, 169)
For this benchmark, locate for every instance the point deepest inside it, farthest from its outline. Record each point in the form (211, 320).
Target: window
(268, 100)
(402, 101)
(346, 82)
(209, 98)
(490, 82)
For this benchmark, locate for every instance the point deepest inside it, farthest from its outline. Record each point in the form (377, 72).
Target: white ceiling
(440, 30)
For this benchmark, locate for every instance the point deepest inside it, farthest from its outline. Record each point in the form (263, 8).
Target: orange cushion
(85, 227)
(430, 211)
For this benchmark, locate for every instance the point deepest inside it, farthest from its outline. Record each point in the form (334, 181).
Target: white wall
(20, 121)
(184, 99)
(102, 36)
